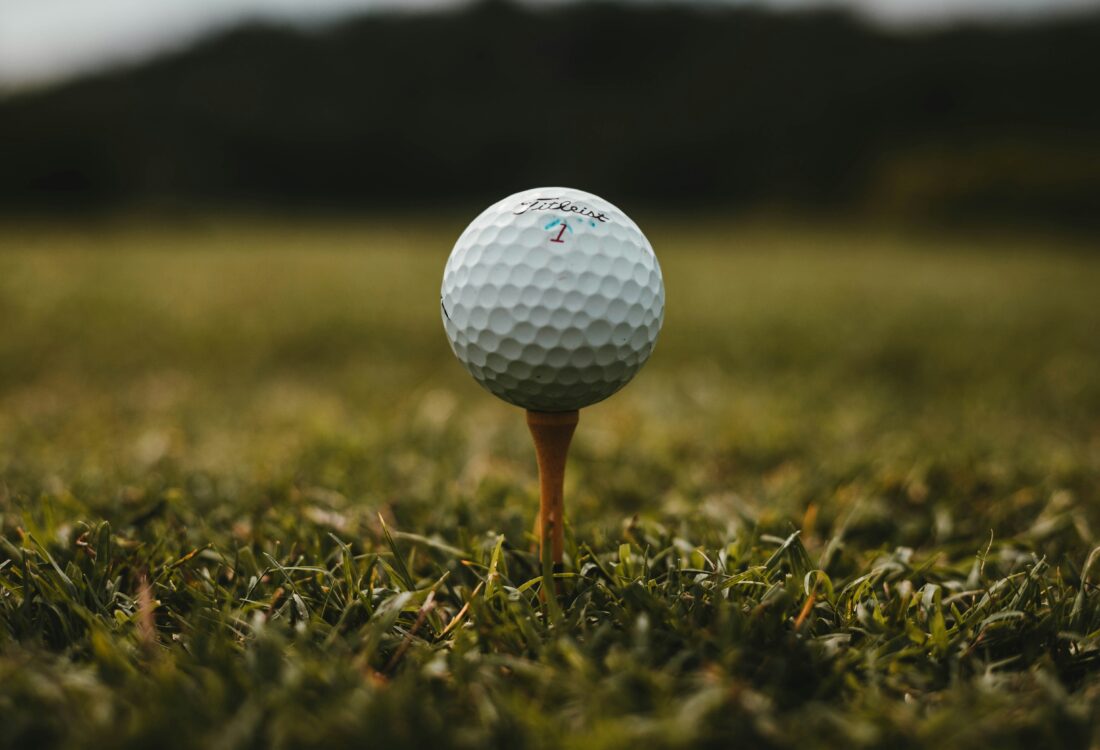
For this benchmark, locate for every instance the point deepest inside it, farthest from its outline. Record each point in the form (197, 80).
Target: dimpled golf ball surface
(552, 299)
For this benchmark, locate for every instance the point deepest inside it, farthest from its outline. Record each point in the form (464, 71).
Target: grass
(248, 498)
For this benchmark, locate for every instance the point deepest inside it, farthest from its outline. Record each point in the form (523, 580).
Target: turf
(248, 499)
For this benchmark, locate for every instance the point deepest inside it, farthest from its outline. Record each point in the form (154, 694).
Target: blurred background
(223, 227)
(898, 110)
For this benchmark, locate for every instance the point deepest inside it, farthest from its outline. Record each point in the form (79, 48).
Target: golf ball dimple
(552, 299)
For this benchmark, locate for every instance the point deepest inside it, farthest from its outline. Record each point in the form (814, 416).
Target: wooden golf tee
(552, 432)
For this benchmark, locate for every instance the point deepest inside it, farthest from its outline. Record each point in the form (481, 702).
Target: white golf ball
(552, 299)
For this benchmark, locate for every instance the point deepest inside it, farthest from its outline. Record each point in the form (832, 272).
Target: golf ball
(552, 299)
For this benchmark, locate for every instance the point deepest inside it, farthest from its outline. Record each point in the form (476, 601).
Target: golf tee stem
(552, 432)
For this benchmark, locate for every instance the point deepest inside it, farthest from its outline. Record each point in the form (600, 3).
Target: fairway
(246, 492)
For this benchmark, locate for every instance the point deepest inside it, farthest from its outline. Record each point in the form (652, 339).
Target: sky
(42, 41)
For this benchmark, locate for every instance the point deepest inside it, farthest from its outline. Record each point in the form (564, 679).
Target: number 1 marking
(560, 233)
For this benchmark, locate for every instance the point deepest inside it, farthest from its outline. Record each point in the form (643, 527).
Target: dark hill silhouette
(673, 106)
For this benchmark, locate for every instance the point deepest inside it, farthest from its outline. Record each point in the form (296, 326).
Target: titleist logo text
(559, 204)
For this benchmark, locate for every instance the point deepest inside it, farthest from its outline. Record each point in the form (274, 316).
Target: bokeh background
(913, 110)
(222, 224)
(223, 230)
